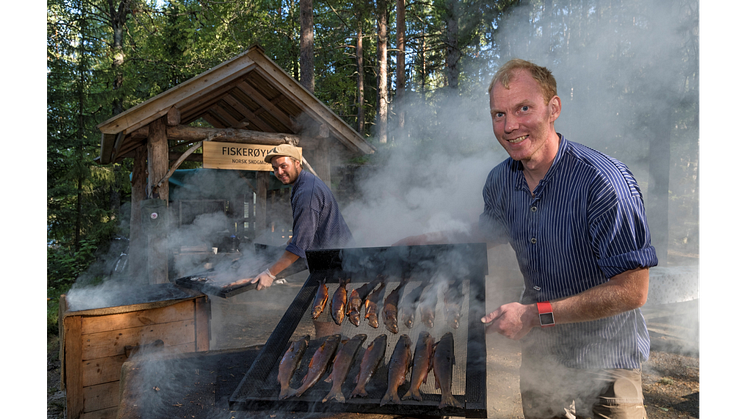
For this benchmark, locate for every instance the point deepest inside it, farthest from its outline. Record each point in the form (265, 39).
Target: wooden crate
(93, 342)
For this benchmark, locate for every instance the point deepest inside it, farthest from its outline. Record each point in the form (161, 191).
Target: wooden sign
(235, 156)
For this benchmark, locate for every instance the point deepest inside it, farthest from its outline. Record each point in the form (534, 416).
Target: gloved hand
(263, 280)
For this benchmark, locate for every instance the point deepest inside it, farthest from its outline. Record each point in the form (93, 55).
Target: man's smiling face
(522, 121)
(286, 169)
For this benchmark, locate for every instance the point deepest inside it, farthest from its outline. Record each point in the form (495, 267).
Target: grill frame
(268, 254)
(258, 389)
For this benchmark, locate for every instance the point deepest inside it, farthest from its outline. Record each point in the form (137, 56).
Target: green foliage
(64, 266)
(167, 43)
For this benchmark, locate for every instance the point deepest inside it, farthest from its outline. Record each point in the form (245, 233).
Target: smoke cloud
(431, 177)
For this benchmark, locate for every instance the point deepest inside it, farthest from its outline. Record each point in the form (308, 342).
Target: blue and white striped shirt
(585, 224)
(317, 222)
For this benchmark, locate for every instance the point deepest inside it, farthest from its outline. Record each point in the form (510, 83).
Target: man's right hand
(263, 280)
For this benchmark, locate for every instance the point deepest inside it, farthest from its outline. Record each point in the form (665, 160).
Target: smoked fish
(391, 307)
(341, 366)
(371, 306)
(319, 364)
(453, 299)
(354, 304)
(428, 302)
(409, 303)
(443, 360)
(319, 302)
(355, 301)
(372, 359)
(399, 365)
(289, 364)
(339, 302)
(423, 363)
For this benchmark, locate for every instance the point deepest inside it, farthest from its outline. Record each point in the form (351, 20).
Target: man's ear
(555, 104)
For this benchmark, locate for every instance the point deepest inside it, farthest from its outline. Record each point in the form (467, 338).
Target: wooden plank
(267, 105)
(101, 396)
(102, 370)
(248, 113)
(73, 373)
(108, 369)
(110, 413)
(199, 105)
(112, 343)
(179, 311)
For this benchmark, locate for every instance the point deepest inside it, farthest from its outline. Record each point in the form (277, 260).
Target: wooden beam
(173, 117)
(230, 135)
(267, 105)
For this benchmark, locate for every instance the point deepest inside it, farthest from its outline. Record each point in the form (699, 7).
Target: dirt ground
(670, 376)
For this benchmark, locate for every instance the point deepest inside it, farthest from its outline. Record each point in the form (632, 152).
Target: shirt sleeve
(492, 219)
(621, 237)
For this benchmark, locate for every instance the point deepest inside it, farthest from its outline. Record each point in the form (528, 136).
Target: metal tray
(466, 263)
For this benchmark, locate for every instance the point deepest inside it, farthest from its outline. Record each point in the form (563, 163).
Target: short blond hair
(542, 75)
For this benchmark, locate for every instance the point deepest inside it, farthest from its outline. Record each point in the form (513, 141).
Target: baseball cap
(284, 150)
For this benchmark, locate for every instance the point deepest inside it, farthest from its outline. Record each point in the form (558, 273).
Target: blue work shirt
(585, 224)
(317, 222)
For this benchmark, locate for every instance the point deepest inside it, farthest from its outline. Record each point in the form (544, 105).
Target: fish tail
(334, 395)
(287, 392)
(390, 397)
(448, 400)
(412, 393)
(359, 392)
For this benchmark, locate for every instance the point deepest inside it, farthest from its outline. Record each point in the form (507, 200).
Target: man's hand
(513, 320)
(263, 280)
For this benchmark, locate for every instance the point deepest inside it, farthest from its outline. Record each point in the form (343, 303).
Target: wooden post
(137, 256)
(157, 169)
(73, 366)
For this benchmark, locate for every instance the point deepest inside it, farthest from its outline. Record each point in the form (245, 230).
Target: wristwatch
(546, 315)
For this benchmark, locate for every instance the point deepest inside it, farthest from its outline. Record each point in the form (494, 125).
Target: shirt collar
(517, 166)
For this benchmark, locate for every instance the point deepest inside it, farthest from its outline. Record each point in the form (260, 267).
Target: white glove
(264, 280)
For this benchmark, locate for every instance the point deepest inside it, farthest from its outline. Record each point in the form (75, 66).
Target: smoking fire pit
(436, 268)
(101, 330)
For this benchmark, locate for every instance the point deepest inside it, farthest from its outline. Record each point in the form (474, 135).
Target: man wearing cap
(317, 221)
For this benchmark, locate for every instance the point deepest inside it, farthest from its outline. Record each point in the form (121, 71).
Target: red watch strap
(544, 307)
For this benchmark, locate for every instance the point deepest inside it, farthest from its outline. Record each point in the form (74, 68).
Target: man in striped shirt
(317, 221)
(576, 220)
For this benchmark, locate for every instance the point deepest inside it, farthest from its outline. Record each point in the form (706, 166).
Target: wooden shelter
(248, 99)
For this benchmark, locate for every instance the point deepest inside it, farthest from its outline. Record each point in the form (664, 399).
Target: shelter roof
(248, 91)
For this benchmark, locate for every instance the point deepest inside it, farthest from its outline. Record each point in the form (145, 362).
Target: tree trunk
(306, 45)
(360, 77)
(383, 97)
(117, 20)
(452, 52)
(400, 64)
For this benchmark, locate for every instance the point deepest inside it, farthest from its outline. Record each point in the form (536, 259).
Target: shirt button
(533, 209)
(533, 240)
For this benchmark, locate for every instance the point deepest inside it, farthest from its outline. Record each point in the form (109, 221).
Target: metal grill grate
(435, 264)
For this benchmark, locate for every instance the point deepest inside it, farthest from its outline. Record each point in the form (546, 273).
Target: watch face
(546, 319)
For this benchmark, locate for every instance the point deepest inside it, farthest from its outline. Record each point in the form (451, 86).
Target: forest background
(403, 73)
